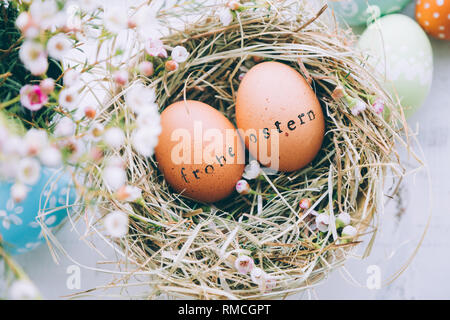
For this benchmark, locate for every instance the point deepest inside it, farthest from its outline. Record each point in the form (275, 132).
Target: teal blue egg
(50, 199)
(355, 13)
(400, 51)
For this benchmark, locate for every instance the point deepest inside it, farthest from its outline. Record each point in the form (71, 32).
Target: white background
(427, 277)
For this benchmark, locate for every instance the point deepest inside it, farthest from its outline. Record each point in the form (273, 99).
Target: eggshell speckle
(199, 151)
(277, 102)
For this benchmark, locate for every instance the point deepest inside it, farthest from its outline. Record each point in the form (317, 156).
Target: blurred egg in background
(401, 52)
(49, 199)
(357, 12)
(434, 17)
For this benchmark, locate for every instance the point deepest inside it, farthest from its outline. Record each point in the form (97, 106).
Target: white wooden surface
(428, 275)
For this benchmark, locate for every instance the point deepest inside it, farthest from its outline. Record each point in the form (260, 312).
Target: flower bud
(243, 187)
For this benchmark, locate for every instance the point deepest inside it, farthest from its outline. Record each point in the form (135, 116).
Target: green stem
(10, 102)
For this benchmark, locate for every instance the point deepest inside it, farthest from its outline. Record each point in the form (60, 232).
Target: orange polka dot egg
(434, 17)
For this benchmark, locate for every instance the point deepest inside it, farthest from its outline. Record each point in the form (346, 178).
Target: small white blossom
(58, 46)
(68, 99)
(155, 48)
(34, 58)
(378, 106)
(146, 68)
(35, 140)
(51, 157)
(23, 290)
(322, 222)
(144, 140)
(115, 19)
(116, 224)
(65, 128)
(32, 97)
(71, 78)
(358, 107)
(244, 264)
(47, 85)
(252, 170)
(225, 16)
(19, 192)
(114, 177)
(45, 13)
(180, 54)
(242, 187)
(129, 193)
(89, 6)
(343, 218)
(257, 275)
(114, 137)
(120, 77)
(139, 97)
(29, 171)
(349, 231)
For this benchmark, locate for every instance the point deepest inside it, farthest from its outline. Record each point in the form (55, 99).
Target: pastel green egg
(355, 13)
(401, 53)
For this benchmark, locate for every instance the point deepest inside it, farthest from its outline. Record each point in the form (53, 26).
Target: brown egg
(199, 151)
(280, 117)
(434, 17)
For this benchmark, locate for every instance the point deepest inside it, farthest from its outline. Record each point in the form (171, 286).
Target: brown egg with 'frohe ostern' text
(279, 116)
(199, 151)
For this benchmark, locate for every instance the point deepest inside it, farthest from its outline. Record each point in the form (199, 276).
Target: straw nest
(188, 249)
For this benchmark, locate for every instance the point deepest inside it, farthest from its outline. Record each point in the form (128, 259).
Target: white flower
(358, 107)
(343, 218)
(27, 26)
(349, 231)
(129, 193)
(225, 16)
(44, 12)
(115, 161)
(51, 157)
(146, 68)
(58, 46)
(32, 97)
(252, 170)
(23, 290)
(19, 192)
(65, 127)
(305, 203)
(114, 137)
(47, 85)
(233, 4)
(155, 48)
(71, 78)
(242, 187)
(171, 65)
(14, 146)
(77, 149)
(121, 77)
(35, 140)
(257, 275)
(89, 6)
(68, 98)
(244, 264)
(144, 140)
(139, 97)
(378, 106)
(149, 117)
(116, 224)
(180, 54)
(322, 222)
(28, 171)
(115, 19)
(34, 58)
(114, 177)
